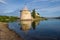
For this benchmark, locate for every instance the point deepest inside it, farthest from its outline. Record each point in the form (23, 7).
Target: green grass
(8, 18)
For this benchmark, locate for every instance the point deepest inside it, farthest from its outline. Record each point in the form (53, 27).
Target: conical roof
(25, 8)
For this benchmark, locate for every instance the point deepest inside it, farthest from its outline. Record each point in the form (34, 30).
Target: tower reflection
(27, 25)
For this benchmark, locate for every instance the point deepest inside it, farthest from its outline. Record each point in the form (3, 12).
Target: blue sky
(46, 8)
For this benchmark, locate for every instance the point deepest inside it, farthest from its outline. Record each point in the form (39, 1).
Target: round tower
(25, 14)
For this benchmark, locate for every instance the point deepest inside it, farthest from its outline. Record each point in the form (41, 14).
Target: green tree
(33, 13)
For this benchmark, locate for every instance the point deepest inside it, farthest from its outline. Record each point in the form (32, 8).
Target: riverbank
(6, 34)
(8, 18)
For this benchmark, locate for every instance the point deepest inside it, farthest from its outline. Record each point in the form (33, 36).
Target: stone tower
(25, 14)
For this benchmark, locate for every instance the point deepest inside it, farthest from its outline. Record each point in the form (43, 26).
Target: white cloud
(44, 1)
(50, 9)
(2, 1)
(8, 11)
(49, 0)
(54, 0)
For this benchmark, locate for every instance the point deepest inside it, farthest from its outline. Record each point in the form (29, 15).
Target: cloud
(49, 0)
(54, 0)
(34, 1)
(50, 9)
(2, 1)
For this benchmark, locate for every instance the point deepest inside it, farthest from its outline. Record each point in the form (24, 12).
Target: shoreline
(6, 34)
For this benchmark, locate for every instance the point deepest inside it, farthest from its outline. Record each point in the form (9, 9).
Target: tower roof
(25, 8)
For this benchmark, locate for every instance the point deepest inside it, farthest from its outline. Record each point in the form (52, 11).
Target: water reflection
(27, 25)
(34, 24)
(37, 30)
(36, 34)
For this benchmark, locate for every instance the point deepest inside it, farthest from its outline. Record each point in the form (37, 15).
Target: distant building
(25, 14)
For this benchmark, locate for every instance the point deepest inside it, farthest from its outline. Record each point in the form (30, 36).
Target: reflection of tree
(34, 24)
(37, 22)
(26, 25)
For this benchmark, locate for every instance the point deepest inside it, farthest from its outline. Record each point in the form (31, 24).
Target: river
(37, 30)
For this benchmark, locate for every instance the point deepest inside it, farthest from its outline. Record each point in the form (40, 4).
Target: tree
(33, 13)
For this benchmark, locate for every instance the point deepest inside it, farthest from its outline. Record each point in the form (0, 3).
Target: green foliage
(8, 18)
(37, 17)
(33, 13)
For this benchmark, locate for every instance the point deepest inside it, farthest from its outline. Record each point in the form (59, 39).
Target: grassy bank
(8, 18)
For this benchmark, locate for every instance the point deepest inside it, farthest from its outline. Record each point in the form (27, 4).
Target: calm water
(39, 30)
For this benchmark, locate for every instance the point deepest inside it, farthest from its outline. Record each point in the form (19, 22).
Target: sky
(46, 8)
